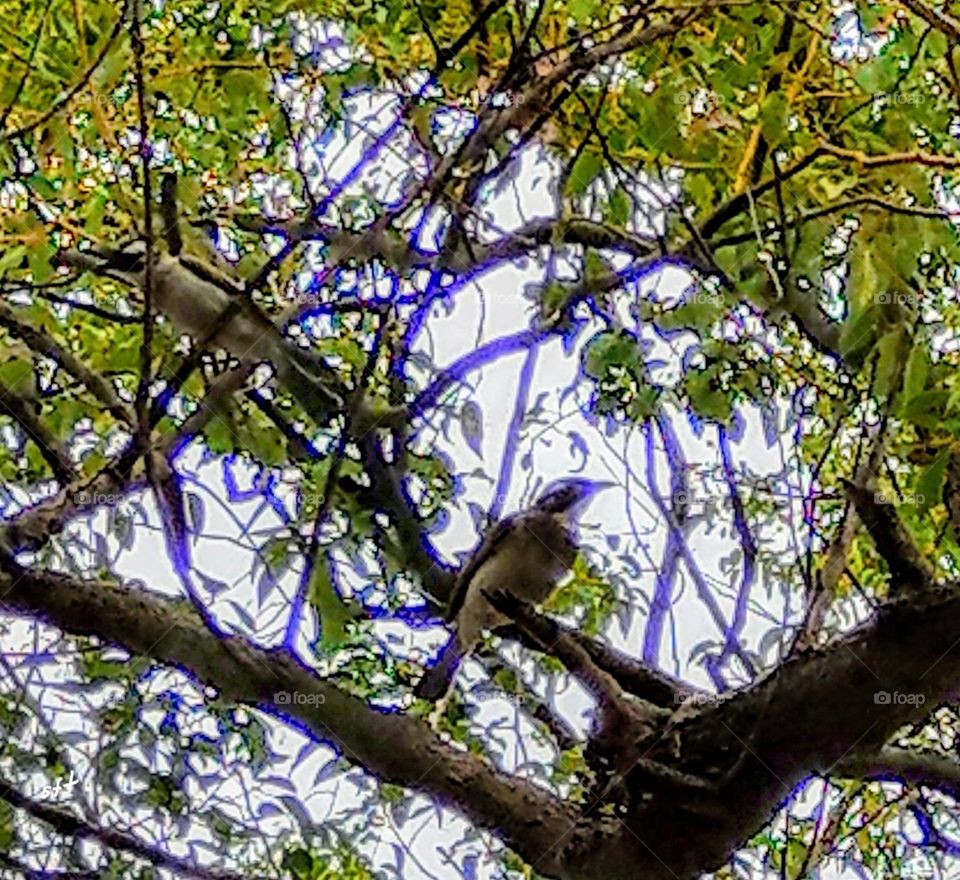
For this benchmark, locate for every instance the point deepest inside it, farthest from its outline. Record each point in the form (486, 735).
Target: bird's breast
(530, 561)
(527, 563)
(195, 306)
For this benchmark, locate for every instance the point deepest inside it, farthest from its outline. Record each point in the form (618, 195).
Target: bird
(195, 296)
(524, 555)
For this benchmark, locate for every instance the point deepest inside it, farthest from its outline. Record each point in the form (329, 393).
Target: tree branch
(909, 569)
(36, 431)
(74, 90)
(394, 747)
(910, 766)
(649, 685)
(790, 728)
(44, 345)
(67, 824)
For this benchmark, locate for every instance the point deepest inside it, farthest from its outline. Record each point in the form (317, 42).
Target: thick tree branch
(396, 748)
(907, 649)
(393, 250)
(790, 728)
(894, 764)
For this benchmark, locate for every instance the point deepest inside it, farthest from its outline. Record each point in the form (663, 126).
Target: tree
(232, 235)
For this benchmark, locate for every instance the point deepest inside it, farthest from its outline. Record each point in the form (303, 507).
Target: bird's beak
(599, 486)
(594, 488)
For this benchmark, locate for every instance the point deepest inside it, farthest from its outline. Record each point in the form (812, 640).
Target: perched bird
(196, 296)
(525, 555)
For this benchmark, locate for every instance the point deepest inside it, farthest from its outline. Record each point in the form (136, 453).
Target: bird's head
(569, 496)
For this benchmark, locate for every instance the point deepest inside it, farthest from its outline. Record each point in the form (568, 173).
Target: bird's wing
(125, 263)
(486, 549)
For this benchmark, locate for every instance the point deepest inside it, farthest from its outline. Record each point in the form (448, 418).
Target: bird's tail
(437, 679)
(310, 380)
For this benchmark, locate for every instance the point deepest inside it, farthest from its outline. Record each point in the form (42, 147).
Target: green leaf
(299, 863)
(554, 297)
(926, 409)
(858, 335)
(59, 139)
(332, 612)
(17, 376)
(595, 266)
(585, 170)
(221, 431)
(706, 399)
(700, 190)
(109, 71)
(582, 10)
(41, 269)
(879, 74)
(774, 118)
(701, 312)
(245, 92)
(915, 375)
(12, 257)
(607, 350)
(8, 833)
(864, 281)
(618, 209)
(890, 351)
(929, 485)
